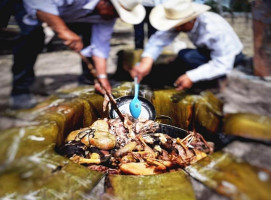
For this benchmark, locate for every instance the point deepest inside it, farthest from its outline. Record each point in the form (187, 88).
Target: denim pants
(192, 58)
(30, 44)
(187, 59)
(25, 52)
(139, 30)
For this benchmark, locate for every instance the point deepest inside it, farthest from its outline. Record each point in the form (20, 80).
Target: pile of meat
(132, 147)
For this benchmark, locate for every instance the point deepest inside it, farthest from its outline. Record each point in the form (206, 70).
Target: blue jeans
(187, 59)
(190, 59)
(139, 30)
(25, 51)
(30, 44)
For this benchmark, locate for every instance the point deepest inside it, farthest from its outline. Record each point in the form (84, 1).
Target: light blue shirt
(152, 3)
(200, 1)
(76, 11)
(210, 31)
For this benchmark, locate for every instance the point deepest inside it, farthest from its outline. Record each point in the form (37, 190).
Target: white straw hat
(130, 11)
(174, 13)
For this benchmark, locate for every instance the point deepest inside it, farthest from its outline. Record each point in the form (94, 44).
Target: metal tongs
(109, 95)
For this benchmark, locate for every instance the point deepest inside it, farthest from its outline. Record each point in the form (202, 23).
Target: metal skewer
(109, 95)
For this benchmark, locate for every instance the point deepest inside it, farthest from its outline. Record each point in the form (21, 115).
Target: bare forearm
(71, 39)
(100, 64)
(54, 21)
(147, 62)
(143, 69)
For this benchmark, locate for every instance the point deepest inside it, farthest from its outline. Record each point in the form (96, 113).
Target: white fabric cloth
(76, 11)
(210, 31)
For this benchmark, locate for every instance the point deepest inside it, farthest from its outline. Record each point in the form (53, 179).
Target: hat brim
(134, 16)
(159, 20)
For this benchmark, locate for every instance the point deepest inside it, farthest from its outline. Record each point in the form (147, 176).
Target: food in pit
(133, 147)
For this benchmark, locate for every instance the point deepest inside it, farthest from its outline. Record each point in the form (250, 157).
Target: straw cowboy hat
(130, 11)
(174, 13)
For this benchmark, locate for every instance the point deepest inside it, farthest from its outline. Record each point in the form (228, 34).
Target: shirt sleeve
(31, 7)
(221, 63)
(100, 40)
(157, 42)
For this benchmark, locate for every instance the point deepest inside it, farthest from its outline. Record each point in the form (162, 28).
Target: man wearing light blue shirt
(218, 46)
(101, 14)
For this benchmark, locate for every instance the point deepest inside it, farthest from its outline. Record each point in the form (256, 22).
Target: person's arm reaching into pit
(71, 39)
(100, 65)
(143, 69)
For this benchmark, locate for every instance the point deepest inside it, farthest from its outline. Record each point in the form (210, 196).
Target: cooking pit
(134, 146)
(31, 167)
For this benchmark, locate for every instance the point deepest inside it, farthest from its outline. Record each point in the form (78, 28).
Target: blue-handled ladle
(135, 104)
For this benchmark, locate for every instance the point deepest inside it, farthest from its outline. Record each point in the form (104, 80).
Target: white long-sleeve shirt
(210, 31)
(76, 11)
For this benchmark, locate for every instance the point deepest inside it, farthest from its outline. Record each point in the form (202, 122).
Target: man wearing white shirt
(218, 47)
(101, 14)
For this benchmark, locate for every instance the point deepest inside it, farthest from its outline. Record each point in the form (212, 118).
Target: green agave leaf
(96, 103)
(205, 109)
(208, 112)
(131, 57)
(76, 92)
(24, 141)
(174, 104)
(73, 114)
(167, 186)
(248, 125)
(46, 175)
(127, 88)
(232, 177)
(32, 113)
(68, 116)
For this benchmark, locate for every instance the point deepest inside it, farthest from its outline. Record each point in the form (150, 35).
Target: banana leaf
(248, 125)
(232, 177)
(174, 185)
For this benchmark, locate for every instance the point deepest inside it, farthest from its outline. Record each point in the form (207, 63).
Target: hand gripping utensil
(109, 95)
(135, 104)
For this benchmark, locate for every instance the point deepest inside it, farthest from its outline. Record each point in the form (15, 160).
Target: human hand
(72, 40)
(106, 85)
(183, 82)
(142, 69)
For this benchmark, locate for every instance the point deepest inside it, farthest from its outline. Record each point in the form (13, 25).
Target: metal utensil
(109, 95)
(147, 108)
(135, 104)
